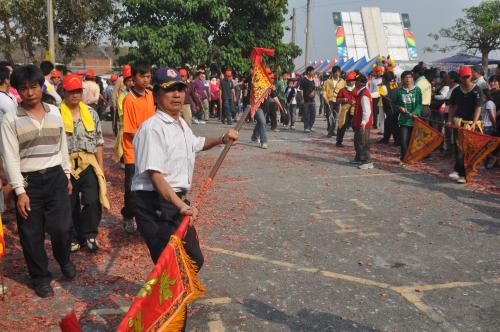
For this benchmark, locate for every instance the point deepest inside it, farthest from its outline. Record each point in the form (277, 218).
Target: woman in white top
(488, 113)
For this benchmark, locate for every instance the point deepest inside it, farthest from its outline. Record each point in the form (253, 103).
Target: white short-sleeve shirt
(162, 145)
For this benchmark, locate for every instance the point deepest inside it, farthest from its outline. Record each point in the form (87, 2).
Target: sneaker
(307, 130)
(43, 289)
(329, 135)
(74, 247)
(276, 130)
(263, 145)
(292, 127)
(202, 122)
(195, 121)
(92, 244)
(69, 270)
(454, 175)
(339, 145)
(354, 162)
(461, 180)
(312, 130)
(129, 225)
(402, 164)
(366, 166)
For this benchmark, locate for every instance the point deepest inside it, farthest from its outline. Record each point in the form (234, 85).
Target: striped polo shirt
(28, 145)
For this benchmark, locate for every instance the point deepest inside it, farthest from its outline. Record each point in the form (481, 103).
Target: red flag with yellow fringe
(424, 139)
(261, 83)
(173, 283)
(475, 147)
(2, 240)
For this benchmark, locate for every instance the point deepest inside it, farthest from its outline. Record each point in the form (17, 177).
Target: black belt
(181, 194)
(44, 171)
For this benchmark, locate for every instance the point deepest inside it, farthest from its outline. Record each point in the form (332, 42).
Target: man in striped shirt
(33, 145)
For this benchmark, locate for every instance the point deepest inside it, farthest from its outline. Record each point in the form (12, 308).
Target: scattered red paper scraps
(110, 278)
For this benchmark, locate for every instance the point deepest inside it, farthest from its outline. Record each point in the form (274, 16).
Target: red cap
(79, 72)
(228, 73)
(183, 72)
(90, 73)
(56, 74)
(72, 82)
(465, 71)
(113, 78)
(126, 71)
(351, 76)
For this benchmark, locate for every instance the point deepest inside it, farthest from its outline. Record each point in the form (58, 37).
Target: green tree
(478, 31)
(253, 24)
(219, 33)
(77, 24)
(171, 32)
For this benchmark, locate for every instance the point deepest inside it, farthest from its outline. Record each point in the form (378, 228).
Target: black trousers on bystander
(85, 206)
(50, 213)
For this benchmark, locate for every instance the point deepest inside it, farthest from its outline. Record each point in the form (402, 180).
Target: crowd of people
(51, 138)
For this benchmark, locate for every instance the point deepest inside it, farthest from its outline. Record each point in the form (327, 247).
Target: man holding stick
(165, 150)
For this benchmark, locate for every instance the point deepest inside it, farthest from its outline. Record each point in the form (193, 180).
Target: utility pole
(50, 27)
(294, 25)
(308, 32)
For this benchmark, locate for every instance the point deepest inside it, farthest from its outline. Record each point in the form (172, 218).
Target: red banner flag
(261, 83)
(161, 303)
(475, 147)
(424, 139)
(2, 240)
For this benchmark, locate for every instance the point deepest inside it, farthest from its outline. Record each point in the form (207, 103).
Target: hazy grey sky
(426, 16)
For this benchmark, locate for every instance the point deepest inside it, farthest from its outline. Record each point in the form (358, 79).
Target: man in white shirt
(91, 91)
(478, 77)
(374, 88)
(47, 67)
(8, 104)
(34, 148)
(362, 123)
(165, 149)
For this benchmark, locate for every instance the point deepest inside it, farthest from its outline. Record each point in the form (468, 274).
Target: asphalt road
(297, 239)
(328, 247)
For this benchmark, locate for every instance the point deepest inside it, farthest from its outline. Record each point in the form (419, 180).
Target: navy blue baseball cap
(168, 78)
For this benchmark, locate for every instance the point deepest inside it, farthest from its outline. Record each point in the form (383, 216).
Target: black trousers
(405, 139)
(375, 112)
(128, 207)
(362, 145)
(331, 116)
(157, 220)
(273, 118)
(85, 206)
(341, 131)
(459, 155)
(391, 127)
(50, 212)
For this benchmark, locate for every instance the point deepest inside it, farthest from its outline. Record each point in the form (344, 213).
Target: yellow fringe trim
(176, 322)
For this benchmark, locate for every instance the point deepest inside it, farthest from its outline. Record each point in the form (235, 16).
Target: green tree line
(217, 33)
